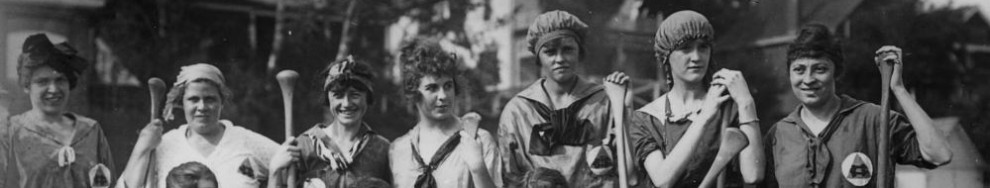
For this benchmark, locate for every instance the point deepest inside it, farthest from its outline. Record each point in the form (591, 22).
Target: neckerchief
(562, 127)
(332, 154)
(426, 179)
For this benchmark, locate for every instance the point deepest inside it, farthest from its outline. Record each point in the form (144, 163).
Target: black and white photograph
(494, 93)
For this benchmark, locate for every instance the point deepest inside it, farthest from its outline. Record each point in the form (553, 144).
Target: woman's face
(559, 58)
(349, 106)
(812, 80)
(689, 62)
(48, 90)
(202, 104)
(437, 102)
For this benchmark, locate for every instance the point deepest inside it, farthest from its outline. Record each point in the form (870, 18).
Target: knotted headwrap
(553, 25)
(38, 51)
(426, 179)
(191, 73)
(348, 70)
(678, 28)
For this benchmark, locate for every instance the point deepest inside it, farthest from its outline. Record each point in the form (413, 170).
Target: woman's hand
(894, 54)
(736, 84)
(715, 97)
(149, 137)
(287, 154)
(739, 91)
(474, 155)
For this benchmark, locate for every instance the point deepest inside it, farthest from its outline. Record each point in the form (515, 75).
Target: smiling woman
(49, 146)
(354, 154)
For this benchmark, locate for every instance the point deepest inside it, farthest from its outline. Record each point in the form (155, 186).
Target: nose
(51, 87)
(807, 79)
(347, 102)
(557, 58)
(693, 55)
(442, 95)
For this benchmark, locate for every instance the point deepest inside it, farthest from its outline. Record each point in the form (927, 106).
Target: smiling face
(348, 106)
(812, 80)
(559, 58)
(689, 62)
(48, 90)
(437, 100)
(202, 104)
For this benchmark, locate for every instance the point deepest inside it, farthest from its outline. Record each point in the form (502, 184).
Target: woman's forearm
(751, 158)
(663, 170)
(933, 145)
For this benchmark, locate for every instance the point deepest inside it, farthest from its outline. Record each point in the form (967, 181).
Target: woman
(442, 150)
(236, 155)
(676, 137)
(560, 122)
(49, 146)
(345, 151)
(839, 132)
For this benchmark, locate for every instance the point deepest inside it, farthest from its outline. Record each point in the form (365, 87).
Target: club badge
(99, 176)
(857, 169)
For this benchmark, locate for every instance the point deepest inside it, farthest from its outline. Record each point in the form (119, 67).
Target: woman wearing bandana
(676, 137)
(560, 121)
(237, 156)
(442, 150)
(830, 139)
(48, 146)
(343, 152)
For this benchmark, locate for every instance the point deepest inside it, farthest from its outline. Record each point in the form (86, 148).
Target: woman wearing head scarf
(559, 122)
(48, 146)
(345, 151)
(676, 137)
(830, 140)
(237, 156)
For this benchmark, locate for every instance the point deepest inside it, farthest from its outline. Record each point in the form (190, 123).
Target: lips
(52, 97)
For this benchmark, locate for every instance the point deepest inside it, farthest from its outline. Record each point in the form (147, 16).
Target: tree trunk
(345, 32)
(278, 38)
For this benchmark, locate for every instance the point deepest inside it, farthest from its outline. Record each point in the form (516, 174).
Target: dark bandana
(426, 180)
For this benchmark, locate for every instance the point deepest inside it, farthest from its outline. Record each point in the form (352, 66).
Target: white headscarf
(191, 73)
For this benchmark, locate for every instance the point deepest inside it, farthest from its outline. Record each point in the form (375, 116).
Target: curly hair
(189, 174)
(816, 42)
(544, 178)
(423, 57)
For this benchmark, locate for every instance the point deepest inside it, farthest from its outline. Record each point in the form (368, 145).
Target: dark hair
(188, 175)
(39, 52)
(543, 177)
(816, 42)
(360, 69)
(423, 57)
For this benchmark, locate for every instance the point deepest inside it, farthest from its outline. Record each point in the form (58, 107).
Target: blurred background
(947, 46)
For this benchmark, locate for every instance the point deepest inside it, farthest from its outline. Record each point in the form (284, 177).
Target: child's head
(544, 178)
(191, 175)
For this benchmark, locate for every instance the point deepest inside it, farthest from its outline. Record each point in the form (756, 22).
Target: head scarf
(191, 73)
(348, 69)
(39, 51)
(554, 25)
(679, 28)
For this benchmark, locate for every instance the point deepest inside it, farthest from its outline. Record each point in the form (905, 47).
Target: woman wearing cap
(561, 120)
(675, 138)
(237, 156)
(48, 145)
(345, 151)
(830, 140)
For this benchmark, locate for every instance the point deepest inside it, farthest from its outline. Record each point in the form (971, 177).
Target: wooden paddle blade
(733, 142)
